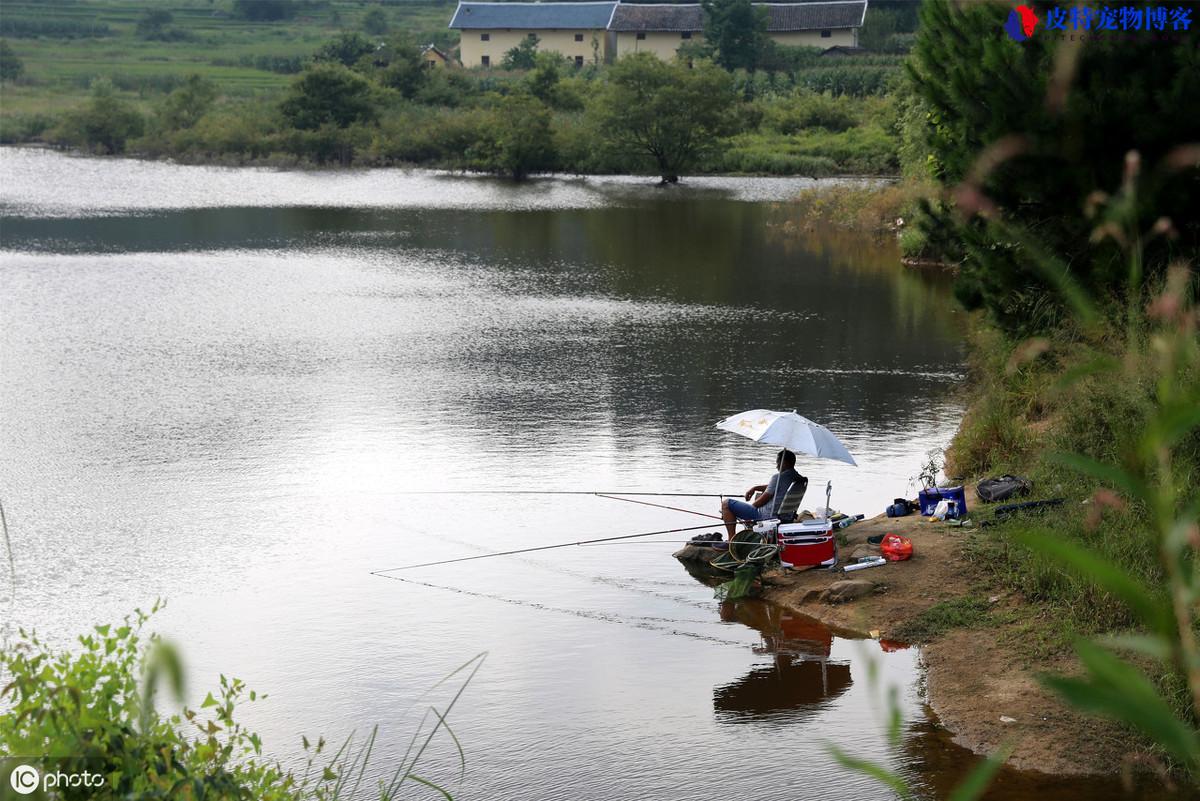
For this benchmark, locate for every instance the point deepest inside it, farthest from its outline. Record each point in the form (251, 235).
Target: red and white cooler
(809, 543)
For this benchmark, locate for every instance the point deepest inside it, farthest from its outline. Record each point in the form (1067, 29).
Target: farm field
(64, 46)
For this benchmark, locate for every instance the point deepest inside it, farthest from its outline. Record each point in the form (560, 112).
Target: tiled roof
(811, 16)
(781, 17)
(630, 17)
(532, 16)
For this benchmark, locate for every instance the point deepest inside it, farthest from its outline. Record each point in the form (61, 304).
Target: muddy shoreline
(980, 682)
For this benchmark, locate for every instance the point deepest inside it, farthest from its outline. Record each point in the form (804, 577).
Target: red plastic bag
(896, 548)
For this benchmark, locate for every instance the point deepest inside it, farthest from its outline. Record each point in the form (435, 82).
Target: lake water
(227, 388)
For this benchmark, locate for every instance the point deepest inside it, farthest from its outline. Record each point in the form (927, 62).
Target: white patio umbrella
(788, 430)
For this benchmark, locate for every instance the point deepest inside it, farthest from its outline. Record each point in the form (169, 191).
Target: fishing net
(747, 554)
(740, 585)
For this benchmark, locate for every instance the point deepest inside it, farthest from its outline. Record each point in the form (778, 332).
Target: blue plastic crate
(929, 498)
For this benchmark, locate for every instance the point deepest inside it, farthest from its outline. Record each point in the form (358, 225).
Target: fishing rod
(656, 542)
(658, 505)
(537, 548)
(568, 492)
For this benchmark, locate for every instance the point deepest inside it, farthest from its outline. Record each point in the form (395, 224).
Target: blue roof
(532, 16)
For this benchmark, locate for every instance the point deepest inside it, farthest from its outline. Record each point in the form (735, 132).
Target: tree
(400, 66)
(736, 30)
(106, 123)
(670, 114)
(184, 107)
(375, 22)
(345, 49)
(523, 56)
(328, 94)
(11, 65)
(265, 10)
(1050, 144)
(522, 140)
(153, 23)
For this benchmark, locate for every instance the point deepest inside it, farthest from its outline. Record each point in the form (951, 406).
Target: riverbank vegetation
(98, 710)
(343, 83)
(1074, 221)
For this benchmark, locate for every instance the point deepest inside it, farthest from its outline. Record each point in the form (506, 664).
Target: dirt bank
(980, 681)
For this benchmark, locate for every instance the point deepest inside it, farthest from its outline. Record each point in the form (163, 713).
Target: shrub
(375, 22)
(187, 104)
(805, 109)
(156, 24)
(328, 94)
(247, 131)
(346, 49)
(448, 88)
(400, 67)
(104, 124)
(519, 141)
(521, 57)
(428, 136)
(266, 10)
(11, 65)
(16, 128)
(88, 710)
(94, 711)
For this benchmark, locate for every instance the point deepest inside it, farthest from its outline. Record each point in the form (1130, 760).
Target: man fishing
(770, 495)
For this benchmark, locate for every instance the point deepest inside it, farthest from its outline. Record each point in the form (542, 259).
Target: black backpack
(1003, 488)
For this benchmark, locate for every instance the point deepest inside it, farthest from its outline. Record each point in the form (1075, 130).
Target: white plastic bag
(941, 510)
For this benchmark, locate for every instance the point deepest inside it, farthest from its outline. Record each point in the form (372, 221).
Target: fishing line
(628, 586)
(739, 494)
(657, 505)
(645, 623)
(616, 583)
(539, 548)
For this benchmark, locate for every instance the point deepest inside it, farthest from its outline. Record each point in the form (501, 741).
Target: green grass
(956, 613)
(1021, 415)
(252, 64)
(59, 70)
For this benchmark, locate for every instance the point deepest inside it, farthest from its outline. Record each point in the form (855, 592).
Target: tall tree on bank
(736, 31)
(669, 114)
(1053, 121)
(328, 94)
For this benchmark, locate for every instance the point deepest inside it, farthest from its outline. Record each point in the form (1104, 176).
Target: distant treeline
(354, 106)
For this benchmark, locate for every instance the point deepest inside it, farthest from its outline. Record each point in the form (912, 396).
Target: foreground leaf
(875, 771)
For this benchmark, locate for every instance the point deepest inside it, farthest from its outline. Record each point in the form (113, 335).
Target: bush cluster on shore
(356, 104)
(100, 712)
